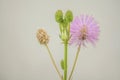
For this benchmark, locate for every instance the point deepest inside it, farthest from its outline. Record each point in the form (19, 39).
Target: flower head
(42, 36)
(84, 29)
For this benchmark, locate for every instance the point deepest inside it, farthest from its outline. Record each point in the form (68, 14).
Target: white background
(23, 58)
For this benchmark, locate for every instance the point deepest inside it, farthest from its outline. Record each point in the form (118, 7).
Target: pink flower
(84, 29)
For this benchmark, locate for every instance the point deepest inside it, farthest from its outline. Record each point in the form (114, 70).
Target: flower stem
(65, 60)
(53, 62)
(75, 61)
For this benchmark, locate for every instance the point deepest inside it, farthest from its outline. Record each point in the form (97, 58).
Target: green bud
(59, 16)
(69, 16)
(62, 64)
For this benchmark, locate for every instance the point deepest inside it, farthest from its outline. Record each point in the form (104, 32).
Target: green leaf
(62, 64)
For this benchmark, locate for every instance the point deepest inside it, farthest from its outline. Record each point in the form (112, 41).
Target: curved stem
(53, 61)
(75, 61)
(65, 60)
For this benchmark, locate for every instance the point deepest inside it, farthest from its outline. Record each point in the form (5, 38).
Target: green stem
(75, 61)
(65, 60)
(69, 30)
(53, 62)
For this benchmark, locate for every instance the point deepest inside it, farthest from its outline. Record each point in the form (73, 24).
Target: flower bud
(42, 36)
(59, 16)
(69, 16)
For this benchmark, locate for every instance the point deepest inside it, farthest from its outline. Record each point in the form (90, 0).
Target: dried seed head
(42, 36)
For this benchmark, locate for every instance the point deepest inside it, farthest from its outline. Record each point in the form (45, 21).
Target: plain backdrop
(23, 58)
